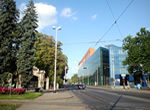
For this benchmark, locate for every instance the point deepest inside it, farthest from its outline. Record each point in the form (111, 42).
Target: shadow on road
(115, 103)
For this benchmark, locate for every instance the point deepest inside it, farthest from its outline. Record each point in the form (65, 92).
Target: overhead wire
(92, 42)
(114, 18)
(114, 22)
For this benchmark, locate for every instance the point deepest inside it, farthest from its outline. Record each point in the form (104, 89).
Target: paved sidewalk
(120, 88)
(62, 100)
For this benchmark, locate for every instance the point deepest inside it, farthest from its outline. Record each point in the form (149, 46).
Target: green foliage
(138, 49)
(26, 55)
(8, 31)
(75, 78)
(45, 49)
(45, 56)
(18, 50)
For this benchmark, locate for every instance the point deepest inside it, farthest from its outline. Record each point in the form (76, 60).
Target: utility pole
(97, 75)
(59, 28)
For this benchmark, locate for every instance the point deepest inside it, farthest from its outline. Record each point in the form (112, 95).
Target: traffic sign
(138, 86)
(123, 76)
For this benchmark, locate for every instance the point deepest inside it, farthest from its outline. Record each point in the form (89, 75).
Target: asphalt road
(108, 99)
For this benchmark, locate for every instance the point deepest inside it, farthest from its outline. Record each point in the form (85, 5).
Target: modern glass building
(95, 71)
(116, 56)
(105, 67)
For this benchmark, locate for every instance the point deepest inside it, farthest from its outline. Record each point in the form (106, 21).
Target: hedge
(13, 90)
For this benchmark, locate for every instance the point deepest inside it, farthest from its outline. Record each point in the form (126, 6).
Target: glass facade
(116, 56)
(95, 71)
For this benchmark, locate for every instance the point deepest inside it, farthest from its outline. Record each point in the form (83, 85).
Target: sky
(85, 22)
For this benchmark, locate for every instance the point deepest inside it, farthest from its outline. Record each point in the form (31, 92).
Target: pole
(97, 75)
(113, 72)
(88, 78)
(55, 62)
(65, 75)
(10, 84)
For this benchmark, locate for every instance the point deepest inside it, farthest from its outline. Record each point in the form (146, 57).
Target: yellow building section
(88, 54)
(92, 51)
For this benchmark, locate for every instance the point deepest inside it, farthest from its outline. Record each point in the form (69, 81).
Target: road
(108, 99)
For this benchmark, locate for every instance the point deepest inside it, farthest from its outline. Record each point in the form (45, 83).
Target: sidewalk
(61, 100)
(120, 88)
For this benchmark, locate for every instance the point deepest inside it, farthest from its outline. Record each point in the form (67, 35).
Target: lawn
(8, 106)
(25, 96)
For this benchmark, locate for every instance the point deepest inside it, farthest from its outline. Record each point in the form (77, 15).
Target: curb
(34, 100)
(121, 89)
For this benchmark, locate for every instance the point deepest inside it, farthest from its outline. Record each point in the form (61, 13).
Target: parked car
(81, 86)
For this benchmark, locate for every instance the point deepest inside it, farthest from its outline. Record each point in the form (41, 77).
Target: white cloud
(22, 7)
(47, 14)
(94, 16)
(67, 13)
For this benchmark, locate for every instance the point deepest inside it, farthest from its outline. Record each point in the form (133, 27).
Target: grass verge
(9, 106)
(25, 96)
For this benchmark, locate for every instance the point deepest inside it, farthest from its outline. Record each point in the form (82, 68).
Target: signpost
(123, 78)
(138, 86)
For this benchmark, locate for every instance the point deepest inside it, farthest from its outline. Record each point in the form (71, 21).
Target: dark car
(81, 86)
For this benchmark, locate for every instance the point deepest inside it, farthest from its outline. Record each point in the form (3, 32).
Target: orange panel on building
(88, 54)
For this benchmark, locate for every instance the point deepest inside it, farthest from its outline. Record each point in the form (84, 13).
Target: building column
(39, 82)
(47, 83)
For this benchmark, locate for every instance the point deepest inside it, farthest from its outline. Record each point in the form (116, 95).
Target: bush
(13, 90)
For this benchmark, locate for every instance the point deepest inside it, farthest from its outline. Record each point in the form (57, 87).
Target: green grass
(25, 96)
(9, 106)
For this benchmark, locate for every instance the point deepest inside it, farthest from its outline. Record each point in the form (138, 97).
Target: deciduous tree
(45, 56)
(138, 59)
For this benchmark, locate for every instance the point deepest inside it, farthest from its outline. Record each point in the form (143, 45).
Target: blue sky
(86, 21)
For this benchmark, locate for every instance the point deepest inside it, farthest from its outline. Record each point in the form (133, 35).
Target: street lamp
(59, 28)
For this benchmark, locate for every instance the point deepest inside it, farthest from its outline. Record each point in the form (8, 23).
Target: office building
(104, 67)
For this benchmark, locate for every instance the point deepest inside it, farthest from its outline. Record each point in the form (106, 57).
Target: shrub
(13, 90)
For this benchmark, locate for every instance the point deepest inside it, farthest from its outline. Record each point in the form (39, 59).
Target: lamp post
(59, 28)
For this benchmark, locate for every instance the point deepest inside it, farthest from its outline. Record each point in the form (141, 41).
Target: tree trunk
(18, 85)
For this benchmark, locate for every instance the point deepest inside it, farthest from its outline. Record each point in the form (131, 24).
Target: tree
(45, 56)
(8, 28)
(45, 49)
(75, 78)
(26, 55)
(138, 59)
